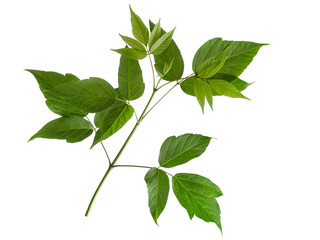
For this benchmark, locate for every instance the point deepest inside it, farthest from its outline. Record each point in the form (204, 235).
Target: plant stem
(119, 154)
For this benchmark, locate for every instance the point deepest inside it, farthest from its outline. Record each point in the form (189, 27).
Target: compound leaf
(72, 129)
(158, 190)
(179, 150)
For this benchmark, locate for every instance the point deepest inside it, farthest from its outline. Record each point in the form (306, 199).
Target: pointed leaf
(155, 34)
(48, 80)
(240, 54)
(72, 129)
(158, 190)
(133, 43)
(90, 95)
(199, 92)
(208, 93)
(179, 150)
(139, 30)
(197, 195)
(212, 65)
(131, 85)
(131, 53)
(162, 43)
(222, 87)
(172, 52)
(240, 84)
(113, 120)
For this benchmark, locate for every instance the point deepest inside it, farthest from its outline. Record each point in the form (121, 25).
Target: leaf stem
(105, 150)
(137, 166)
(154, 77)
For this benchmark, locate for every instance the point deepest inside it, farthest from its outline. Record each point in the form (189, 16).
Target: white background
(266, 158)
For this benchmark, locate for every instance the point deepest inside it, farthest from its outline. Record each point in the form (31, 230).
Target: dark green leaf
(197, 195)
(113, 120)
(166, 57)
(63, 108)
(179, 150)
(225, 88)
(48, 80)
(133, 43)
(199, 92)
(155, 34)
(131, 85)
(240, 54)
(162, 43)
(72, 129)
(158, 191)
(139, 30)
(90, 95)
(131, 53)
(208, 93)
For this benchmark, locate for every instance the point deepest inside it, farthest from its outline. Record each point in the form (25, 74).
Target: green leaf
(133, 43)
(90, 95)
(155, 34)
(179, 150)
(197, 195)
(208, 93)
(72, 129)
(199, 92)
(225, 88)
(240, 54)
(131, 85)
(212, 65)
(139, 30)
(162, 43)
(158, 191)
(167, 56)
(167, 67)
(240, 84)
(113, 120)
(48, 80)
(63, 108)
(131, 53)
(187, 86)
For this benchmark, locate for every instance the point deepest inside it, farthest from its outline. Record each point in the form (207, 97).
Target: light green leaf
(208, 92)
(90, 95)
(48, 80)
(212, 65)
(240, 54)
(199, 92)
(187, 86)
(162, 43)
(72, 129)
(172, 52)
(225, 88)
(131, 85)
(155, 34)
(131, 53)
(179, 150)
(133, 43)
(167, 67)
(197, 195)
(113, 120)
(158, 190)
(139, 30)
(240, 84)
